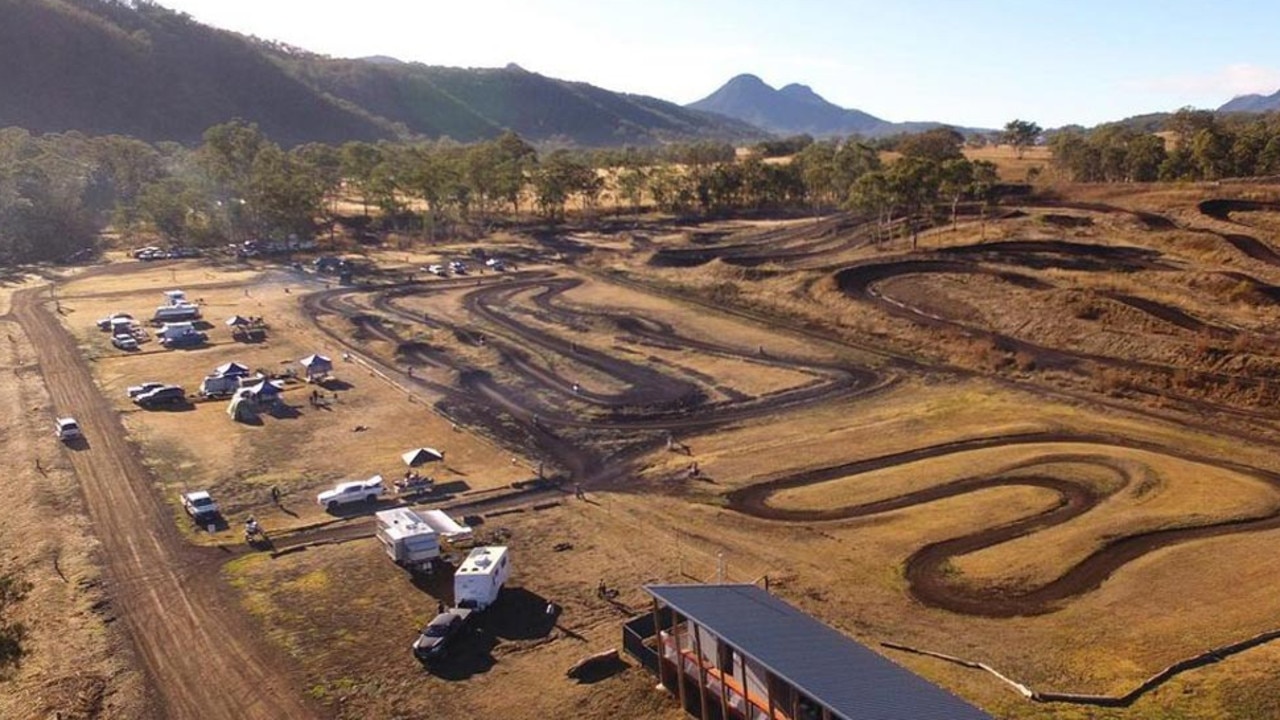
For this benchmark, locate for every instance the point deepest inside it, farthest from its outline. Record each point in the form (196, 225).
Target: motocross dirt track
(203, 658)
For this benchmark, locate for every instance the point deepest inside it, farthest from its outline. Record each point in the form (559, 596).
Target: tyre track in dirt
(925, 569)
(203, 659)
(537, 414)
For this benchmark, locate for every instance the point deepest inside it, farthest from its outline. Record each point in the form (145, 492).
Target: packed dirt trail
(203, 659)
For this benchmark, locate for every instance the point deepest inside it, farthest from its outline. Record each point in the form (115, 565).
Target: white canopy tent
(421, 456)
(316, 366)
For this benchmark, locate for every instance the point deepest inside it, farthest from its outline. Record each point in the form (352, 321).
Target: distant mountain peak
(382, 60)
(747, 79)
(794, 109)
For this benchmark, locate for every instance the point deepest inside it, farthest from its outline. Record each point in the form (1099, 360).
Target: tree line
(59, 191)
(1195, 145)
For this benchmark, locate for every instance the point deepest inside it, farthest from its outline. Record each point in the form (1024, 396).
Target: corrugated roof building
(736, 651)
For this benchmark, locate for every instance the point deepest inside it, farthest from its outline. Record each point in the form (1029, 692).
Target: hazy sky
(976, 63)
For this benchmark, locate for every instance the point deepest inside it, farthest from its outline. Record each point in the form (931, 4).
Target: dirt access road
(202, 658)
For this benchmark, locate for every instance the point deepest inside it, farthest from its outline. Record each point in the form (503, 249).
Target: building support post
(702, 670)
(680, 680)
(770, 683)
(657, 636)
(724, 686)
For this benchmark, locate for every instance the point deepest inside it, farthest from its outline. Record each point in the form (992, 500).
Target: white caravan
(480, 577)
(409, 541)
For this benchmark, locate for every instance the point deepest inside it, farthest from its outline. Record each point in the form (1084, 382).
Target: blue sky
(978, 63)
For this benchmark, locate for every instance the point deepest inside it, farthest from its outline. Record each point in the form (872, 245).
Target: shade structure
(316, 364)
(422, 455)
(231, 369)
(264, 389)
(237, 321)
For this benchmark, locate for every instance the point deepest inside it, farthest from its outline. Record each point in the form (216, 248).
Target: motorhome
(175, 313)
(480, 577)
(180, 334)
(407, 539)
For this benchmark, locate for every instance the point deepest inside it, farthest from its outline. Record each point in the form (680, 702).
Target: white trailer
(226, 385)
(407, 540)
(174, 330)
(171, 313)
(480, 577)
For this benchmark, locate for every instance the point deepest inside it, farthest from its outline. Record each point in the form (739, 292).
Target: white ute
(67, 429)
(351, 492)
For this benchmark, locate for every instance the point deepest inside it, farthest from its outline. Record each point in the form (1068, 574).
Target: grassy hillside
(474, 104)
(100, 68)
(104, 67)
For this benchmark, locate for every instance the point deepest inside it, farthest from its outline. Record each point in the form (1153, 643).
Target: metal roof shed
(848, 679)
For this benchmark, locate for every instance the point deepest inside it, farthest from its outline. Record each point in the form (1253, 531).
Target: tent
(420, 456)
(236, 321)
(264, 392)
(231, 369)
(316, 366)
(241, 408)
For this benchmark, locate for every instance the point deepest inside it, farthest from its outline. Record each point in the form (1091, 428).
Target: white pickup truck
(352, 492)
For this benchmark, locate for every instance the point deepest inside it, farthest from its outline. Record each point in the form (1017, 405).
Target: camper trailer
(480, 577)
(409, 541)
(180, 334)
(220, 385)
(176, 313)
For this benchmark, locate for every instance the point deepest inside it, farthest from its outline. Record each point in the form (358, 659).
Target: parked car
(437, 270)
(135, 390)
(351, 492)
(439, 636)
(161, 396)
(458, 268)
(190, 339)
(67, 428)
(125, 342)
(200, 506)
(106, 322)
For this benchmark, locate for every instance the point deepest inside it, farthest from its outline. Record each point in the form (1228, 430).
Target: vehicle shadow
(472, 655)
(77, 443)
(453, 487)
(355, 509)
(169, 407)
(519, 614)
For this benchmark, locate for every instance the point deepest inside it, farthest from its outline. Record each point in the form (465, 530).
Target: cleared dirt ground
(1043, 441)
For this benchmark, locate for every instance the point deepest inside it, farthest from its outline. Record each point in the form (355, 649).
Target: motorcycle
(253, 532)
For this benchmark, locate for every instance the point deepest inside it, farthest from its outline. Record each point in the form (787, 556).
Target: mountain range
(107, 67)
(796, 109)
(1252, 103)
(136, 68)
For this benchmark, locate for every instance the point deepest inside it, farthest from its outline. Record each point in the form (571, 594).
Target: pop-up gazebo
(421, 456)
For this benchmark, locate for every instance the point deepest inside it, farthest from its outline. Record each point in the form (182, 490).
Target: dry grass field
(1044, 441)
